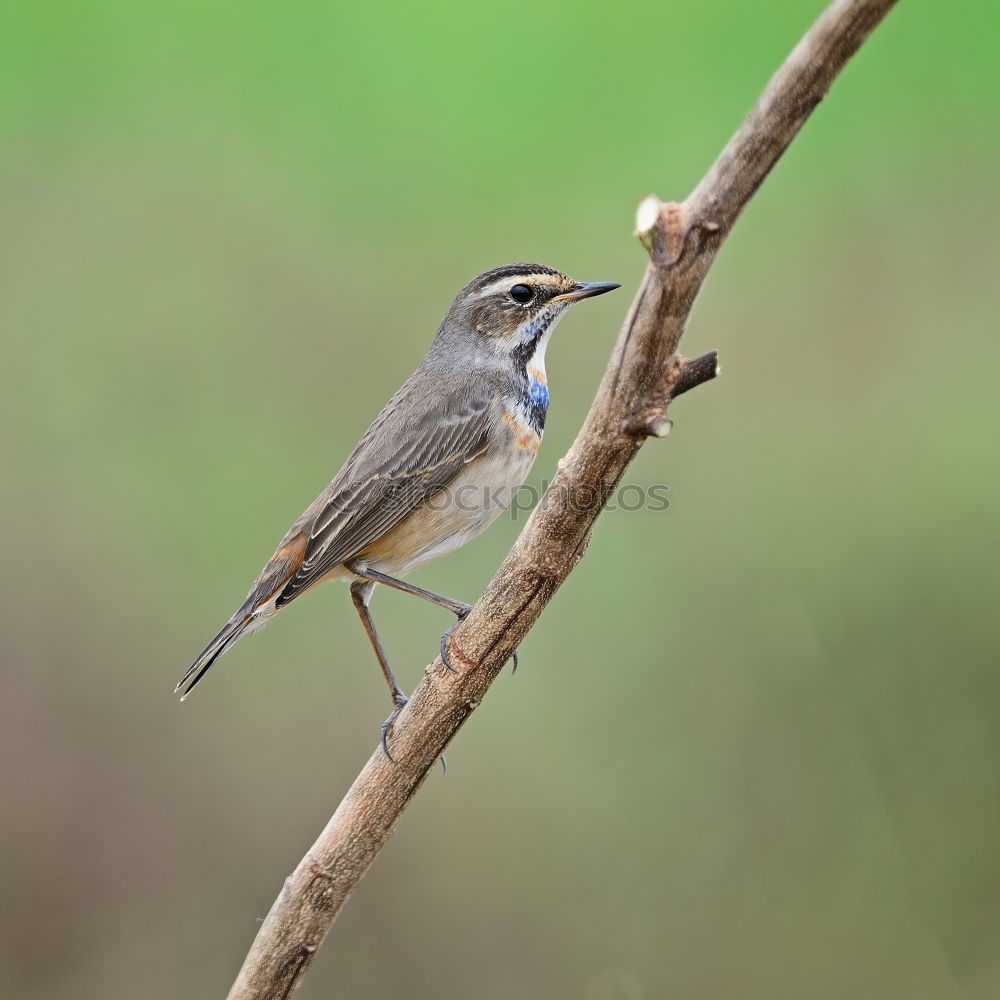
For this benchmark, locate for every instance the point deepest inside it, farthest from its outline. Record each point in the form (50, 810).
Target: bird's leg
(458, 608)
(361, 592)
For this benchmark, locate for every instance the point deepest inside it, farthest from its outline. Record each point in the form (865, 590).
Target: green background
(753, 750)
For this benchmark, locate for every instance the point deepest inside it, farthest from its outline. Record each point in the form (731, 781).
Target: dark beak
(586, 289)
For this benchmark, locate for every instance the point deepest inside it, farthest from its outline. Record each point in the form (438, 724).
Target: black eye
(522, 293)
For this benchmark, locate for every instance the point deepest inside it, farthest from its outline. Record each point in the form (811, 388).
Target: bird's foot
(399, 701)
(445, 657)
(461, 613)
(443, 648)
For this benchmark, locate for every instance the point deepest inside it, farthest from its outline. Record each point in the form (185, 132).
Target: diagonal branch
(644, 374)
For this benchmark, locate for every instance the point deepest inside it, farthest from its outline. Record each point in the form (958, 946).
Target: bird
(440, 462)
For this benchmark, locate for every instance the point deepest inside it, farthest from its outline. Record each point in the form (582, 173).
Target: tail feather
(258, 608)
(229, 634)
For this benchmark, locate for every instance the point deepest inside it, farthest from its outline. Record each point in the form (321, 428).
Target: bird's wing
(419, 442)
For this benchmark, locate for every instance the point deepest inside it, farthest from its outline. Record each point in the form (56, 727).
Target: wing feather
(416, 446)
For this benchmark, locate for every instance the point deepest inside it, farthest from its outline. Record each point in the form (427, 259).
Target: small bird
(441, 461)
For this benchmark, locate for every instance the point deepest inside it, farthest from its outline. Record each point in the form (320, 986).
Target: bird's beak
(585, 289)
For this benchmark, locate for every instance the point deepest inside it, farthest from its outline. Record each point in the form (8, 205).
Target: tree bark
(644, 375)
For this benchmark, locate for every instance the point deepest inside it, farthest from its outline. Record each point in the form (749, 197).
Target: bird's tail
(239, 625)
(259, 607)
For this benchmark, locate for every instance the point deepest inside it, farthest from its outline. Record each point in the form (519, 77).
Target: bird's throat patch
(538, 398)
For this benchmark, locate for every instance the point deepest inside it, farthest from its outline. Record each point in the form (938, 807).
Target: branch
(644, 375)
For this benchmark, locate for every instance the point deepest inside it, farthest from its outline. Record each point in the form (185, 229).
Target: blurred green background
(753, 750)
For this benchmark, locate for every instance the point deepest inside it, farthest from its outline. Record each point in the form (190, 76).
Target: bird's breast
(483, 490)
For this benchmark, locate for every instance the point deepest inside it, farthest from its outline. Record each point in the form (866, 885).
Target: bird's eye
(522, 293)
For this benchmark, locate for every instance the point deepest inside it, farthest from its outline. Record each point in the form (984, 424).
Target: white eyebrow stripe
(505, 284)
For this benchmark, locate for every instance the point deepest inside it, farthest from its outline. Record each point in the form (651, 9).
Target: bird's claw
(460, 615)
(400, 701)
(443, 649)
(446, 659)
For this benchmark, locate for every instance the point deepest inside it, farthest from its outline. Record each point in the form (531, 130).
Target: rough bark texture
(644, 374)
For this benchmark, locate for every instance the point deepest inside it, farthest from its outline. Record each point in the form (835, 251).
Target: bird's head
(510, 311)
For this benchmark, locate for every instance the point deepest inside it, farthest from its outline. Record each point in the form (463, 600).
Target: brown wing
(427, 432)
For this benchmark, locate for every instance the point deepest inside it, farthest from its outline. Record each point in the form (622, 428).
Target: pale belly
(477, 496)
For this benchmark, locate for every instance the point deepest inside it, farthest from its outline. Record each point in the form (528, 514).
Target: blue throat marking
(534, 394)
(533, 330)
(538, 393)
(536, 404)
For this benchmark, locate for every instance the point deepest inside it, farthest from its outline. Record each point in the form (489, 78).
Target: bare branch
(644, 374)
